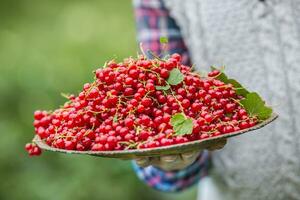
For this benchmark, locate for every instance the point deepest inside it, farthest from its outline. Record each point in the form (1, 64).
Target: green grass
(48, 47)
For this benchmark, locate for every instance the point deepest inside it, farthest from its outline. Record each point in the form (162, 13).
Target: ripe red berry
(97, 147)
(133, 73)
(60, 143)
(214, 73)
(28, 146)
(70, 145)
(146, 102)
(208, 118)
(230, 107)
(164, 73)
(176, 56)
(129, 123)
(123, 131)
(33, 149)
(150, 87)
(196, 107)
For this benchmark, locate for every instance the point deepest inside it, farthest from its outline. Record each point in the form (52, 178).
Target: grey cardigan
(259, 42)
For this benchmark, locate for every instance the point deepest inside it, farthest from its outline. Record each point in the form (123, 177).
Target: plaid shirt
(153, 21)
(174, 181)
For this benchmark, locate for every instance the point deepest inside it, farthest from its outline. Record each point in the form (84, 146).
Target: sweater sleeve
(174, 181)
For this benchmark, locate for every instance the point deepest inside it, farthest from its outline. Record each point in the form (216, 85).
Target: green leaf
(240, 90)
(166, 87)
(181, 124)
(185, 128)
(175, 77)
(115, 119)
(255, 106)
(177, 119)
(163, 40)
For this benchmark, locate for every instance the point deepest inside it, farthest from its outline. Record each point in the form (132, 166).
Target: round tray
(165, 150)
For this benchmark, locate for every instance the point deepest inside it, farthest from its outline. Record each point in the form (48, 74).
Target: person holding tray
(259, 41)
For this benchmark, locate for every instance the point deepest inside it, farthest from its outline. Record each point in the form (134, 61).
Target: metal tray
(158, 151)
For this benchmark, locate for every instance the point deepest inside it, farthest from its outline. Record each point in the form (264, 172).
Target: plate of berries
(149, 107)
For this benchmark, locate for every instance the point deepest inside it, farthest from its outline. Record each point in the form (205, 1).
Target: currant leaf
(240, 90)
(255, 106)
(163, 40)
(115, 119)
(185, 128)
(177, 119)
(166, 87)
(181, 124)
(175, 77)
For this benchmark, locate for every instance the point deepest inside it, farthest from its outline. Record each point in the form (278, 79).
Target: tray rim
(164, 150)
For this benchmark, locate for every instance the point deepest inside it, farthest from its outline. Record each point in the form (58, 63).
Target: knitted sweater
(259, 42)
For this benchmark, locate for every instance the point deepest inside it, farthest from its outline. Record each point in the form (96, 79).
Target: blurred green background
(48, 47)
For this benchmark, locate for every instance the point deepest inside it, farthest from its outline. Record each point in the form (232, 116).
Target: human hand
(177, 161)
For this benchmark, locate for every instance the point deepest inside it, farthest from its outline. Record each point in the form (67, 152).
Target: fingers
(217, 145)
(176, 162)
(169, 159)
(189, 157)
(143, 162)
(221, 144)
(168, 162)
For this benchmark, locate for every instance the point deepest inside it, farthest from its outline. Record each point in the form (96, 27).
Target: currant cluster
(33, 149)
(130, 105)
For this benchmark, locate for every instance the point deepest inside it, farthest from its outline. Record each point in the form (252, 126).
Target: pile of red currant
(33, 149)
(130, 105)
